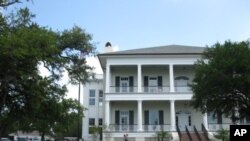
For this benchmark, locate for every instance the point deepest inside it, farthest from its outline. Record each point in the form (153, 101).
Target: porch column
(172, 115)
(139, 115)
(205, 123)
(107, 78)
(171, 77)
(107, 112)
(139, 78)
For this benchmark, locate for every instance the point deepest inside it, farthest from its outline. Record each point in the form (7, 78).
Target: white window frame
(92, 97)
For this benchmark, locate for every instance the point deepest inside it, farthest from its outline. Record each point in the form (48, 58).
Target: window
(176, 120)
(91, 97)
(100, 97)
(124, 84)
(181, 84)
(100, 121)
(91, 121)
(189, 120)
(153, 117)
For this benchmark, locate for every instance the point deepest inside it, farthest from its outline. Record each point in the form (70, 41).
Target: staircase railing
(188, 133)
(205, 132)
(179, 131)
(197, 133)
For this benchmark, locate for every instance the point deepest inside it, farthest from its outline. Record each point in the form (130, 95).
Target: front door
(183, 120)
(124, 120)
(152, 84)
(124, 84)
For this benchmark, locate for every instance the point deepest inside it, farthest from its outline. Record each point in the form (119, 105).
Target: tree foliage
(28, 100)
(6, 3)
(222, 79)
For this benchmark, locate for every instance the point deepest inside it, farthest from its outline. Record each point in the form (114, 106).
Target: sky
(130, 24)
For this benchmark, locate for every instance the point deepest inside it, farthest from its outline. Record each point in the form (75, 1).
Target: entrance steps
(194, 137)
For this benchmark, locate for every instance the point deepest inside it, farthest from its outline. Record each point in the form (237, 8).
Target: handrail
(205, 132)
(197, 133)
(179, 132)
(189, 136)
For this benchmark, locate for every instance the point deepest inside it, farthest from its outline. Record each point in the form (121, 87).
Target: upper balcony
(149, 79)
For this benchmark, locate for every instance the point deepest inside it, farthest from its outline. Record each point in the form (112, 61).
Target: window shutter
(131, 117)
(145, 83)
(131, 83)
(161, 117)
(117, 83)
(160, 81)
(117, 117)
(146, 117)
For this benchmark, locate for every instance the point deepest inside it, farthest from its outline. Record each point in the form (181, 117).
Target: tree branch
(4, 4)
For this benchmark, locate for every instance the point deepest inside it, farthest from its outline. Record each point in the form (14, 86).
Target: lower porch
(152, 116)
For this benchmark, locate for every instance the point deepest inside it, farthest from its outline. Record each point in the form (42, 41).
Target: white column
(107, 113)
(171, 77)
(172, 115)
(139, 115)
(205, 123)
(107, 78)
(139, 78)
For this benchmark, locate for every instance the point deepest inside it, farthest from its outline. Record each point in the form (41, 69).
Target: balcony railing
(153, 128)
(182, 89)
(216, 127)
(114, 89)
(122, 128)
(149, 89)
(156, 89)
(146, 128)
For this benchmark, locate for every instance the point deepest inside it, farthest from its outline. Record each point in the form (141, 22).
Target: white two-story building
(147, 90)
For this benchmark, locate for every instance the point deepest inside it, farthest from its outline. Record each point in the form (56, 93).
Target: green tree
(6, 3)
(163, 136)
(29, 101)
(222, 134)
(222, 79)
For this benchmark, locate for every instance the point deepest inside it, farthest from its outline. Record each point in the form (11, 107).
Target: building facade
(92, 101)
(147, 90)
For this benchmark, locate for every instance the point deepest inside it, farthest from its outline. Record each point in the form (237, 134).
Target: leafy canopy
(28, 100)
(222, 79)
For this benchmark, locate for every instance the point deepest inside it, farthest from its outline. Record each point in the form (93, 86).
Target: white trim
(152, 61)
(107, 78)
(144, 97)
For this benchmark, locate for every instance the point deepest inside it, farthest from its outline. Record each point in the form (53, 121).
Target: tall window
(153, 117)
(100, 122)
(91, 97)
(100, 97)
(181, 84)
(91, 121)
(124, 84)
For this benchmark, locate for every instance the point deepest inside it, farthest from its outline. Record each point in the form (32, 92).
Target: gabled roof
(151, 51)
(170, 49)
